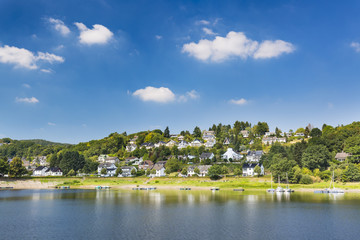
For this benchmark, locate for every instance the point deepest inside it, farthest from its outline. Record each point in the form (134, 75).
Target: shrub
(306, 179)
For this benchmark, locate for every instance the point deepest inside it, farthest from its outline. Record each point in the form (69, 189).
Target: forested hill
(44, 142)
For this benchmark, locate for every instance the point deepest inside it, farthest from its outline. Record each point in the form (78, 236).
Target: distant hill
(44, 142)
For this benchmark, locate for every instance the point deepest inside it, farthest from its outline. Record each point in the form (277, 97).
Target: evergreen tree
(167, 132)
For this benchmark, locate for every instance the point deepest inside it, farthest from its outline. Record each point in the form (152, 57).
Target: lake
(120, 214)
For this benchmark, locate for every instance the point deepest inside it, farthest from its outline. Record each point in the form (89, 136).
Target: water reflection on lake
(113, 214)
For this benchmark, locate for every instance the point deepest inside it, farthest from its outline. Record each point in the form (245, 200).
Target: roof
(40, 168)
(158, 166)
(131, 158)
(204, 168)
(111, 158)
(205, 155)
(128, 167)
(105, 165)
(342, 155)
(54, 169)
(250, 165)
(147, 162)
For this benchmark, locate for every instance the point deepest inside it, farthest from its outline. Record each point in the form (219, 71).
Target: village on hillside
(249, 152)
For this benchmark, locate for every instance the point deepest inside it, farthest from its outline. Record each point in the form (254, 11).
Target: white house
(299, 135)
(231, 154)
(40, 171)
(342, 156)
(102, 158)
(203, 169)
(112, 160)
(110, 169)
(159, 144)
(196, 143)
(268, 134)
(254, 156)
(160, 170)
(183, 144)
(55, 172)
(210, 143)
(131, 147)
(131, 160)
(171, 143)
(147, 164)
(244, 133)
(126, 171)
(208, 135)
(248, 169)
(226, 141)
(148, 145)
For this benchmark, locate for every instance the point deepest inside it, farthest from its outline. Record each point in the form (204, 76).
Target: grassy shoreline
(227, 183)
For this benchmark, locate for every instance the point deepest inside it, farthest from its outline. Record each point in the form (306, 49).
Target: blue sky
(72, 72)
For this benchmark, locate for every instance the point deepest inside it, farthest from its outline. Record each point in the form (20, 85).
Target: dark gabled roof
(147, 162)
(158, 166)
(250, 165)
(205, 155)
(39, 168)
(54, 169)
(147, 144)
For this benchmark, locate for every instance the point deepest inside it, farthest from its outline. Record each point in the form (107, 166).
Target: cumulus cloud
(270, 49)
(163, 95)
(356, 46)
(31, 100)
(99, 34)
(152, 94)
(202, 22)
(59, 26)
(235, 44)
(208, 31)
(241, 101)
(188, 95)
(21, 57)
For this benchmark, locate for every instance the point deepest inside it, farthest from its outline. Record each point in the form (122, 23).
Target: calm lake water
(112, 214)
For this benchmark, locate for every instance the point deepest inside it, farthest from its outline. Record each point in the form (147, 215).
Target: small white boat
(271, 190)
(287, 189)
(330, 190)
(279, 189)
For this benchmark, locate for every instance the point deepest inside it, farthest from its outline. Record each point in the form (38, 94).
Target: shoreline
(160, 184)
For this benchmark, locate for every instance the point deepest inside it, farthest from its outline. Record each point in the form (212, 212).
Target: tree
(118, 171)
(133, 172)
(351, 174)
(197, 132)
(317, 156)
(224, 170)
(257, 170)
(71, 173)
(197, 171)
(298, 151)
(184, 171)
(103, 171)
(307, 132)
(4, 166)
(172, 165)
(277, 132)
(281, 166)
(215, 171)
(167, 132)
(71, 160)
(54, 161)
(315, 132)
(306, 179)
(261, 128)
(16, 168)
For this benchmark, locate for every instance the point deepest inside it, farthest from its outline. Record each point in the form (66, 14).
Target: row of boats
(279, 189)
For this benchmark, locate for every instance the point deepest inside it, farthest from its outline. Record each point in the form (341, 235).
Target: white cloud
(270, 49)
(162, 95)
(188, 95)
(356, 46)
(46, 70)
(235, 44)
(21, 57)
(240, 101)
(25, 85)
(32, 100)
(98, 35)
(208, 31)
(202, 22)
(152, 94)
(59, 26)
(158, 37)
(51, 124)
